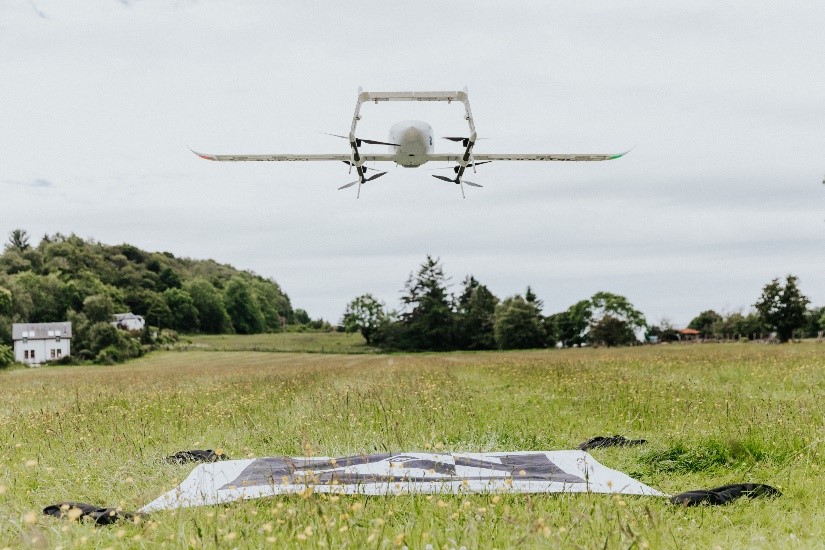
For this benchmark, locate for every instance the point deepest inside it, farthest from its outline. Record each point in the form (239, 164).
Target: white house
(128, 321)
(36, 343)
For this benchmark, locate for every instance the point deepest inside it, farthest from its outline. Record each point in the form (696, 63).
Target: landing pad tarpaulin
(401, 473)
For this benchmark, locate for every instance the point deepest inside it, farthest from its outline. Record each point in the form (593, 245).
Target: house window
(32, 354)
(53, 353)
(59, 352)
(57, 338)
(26, 354)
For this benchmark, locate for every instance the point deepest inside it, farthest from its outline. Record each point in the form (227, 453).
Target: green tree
(812, 316)
(19, 240)
(167, 278)
(184, 314)
(704, 322)
(301, 317)
(476, 315)
(102, 335)
(6, 301)
(611, 331)
(158, 313)
(749, 325)
(99, 308)
(6, 356)
(606, 303)
(782, 307)
(570, 327)
(211, 310)
(663, 332)
(428, 315)
(364, 314)
(518, 325)
(243, 307)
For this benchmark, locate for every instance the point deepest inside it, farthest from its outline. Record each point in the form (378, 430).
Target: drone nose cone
(411, 132)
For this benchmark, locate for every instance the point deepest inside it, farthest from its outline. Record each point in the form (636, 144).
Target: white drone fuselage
(415, 142)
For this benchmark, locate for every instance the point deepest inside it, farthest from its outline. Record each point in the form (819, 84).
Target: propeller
(359, 141)
(459, 182)
(362, 181)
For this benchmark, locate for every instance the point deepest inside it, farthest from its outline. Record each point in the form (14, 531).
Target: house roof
(124, 316)
(689, 331)
(40, 331)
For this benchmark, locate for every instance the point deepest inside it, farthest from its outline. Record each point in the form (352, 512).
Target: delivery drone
(411, 144)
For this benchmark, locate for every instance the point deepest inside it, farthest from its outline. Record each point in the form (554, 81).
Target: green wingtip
(620, 155)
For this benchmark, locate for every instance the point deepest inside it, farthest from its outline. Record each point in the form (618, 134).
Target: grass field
(301, 342)
(713, 414)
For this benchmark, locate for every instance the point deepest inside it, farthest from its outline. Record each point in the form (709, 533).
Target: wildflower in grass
(31, 463)
(270, 540)
(343, 529)
(30, 517)
(2, 489)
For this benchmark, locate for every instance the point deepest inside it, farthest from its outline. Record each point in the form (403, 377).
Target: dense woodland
(83, 281)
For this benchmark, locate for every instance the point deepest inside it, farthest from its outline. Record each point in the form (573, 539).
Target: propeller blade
(364, 168)
(472, 184)
(350, 184)
(444, 178)
(375, 176)
(376, 142)
(334, 135)
(359, 141)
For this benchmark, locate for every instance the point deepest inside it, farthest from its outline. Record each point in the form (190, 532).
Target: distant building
(128, 321)
(36, 343)
(689, 335)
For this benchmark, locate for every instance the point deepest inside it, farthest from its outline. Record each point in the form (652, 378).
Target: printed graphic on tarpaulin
(389, 474)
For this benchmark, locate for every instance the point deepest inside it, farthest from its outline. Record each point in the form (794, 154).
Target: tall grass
(713, 414)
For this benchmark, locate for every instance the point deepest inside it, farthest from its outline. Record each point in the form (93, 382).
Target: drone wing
(284, 158)
(454, 157)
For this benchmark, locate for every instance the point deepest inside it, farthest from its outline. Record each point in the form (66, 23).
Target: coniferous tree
(475, 318)
(519, 325)
(428, 321)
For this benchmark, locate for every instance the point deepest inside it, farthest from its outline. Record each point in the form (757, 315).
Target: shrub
(6, 356)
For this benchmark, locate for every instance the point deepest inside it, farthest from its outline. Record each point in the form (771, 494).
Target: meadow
(713, 414)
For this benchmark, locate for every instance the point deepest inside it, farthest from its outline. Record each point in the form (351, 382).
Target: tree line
(430, 318)
(433, 319)
(84, 281)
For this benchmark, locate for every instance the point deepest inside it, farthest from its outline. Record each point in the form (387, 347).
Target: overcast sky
(723, 101)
